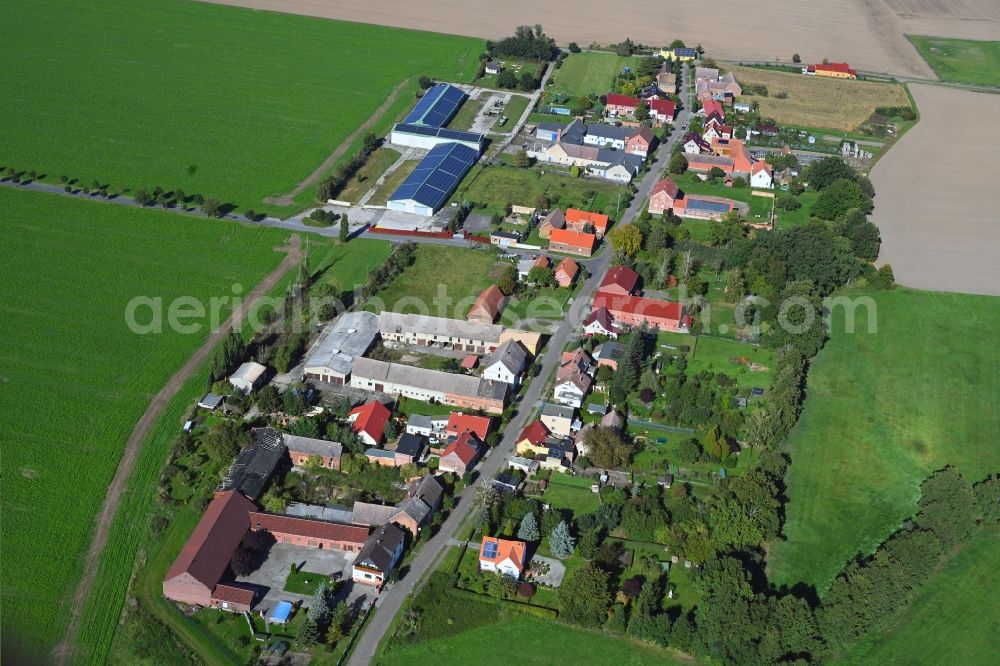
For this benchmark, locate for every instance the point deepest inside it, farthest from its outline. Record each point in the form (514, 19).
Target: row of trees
(527, 42)
(331, 185)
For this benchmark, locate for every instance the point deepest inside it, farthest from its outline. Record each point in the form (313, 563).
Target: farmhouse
(572, 242)
(349, 337)
(708, 84)
(423, 498)
(713, 111)
(600, 322)
(410, 449)
(613, 153)
(488, 306)
(369, 421)
(248, 377)
(605, 163)
(635, 310)
(667, 197)
(459, 423)
(424, 331)
(694, 144)
(556, 219)
(461, 454)
(837, 70)
(195, 575)
(308, 532)
(532, 439)
(423, 384)
(303, 450)
(506, 364)
(502, 556)
(663, 196)
(761, 175)
(492, 67)
(378, 556)
(586, 221)
(428, 187)
(566, 272)
(682, 53)
(253, 466)
(662, 111)
(557, 418)
(620, 280)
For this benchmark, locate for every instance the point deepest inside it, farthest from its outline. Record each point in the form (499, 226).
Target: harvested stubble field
(816, 101)
(77, 378)
(230, 103)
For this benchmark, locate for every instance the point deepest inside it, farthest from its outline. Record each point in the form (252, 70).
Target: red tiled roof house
(566, 272)
(369, 421)
(461, 455)
(572, 242)
(634, 310)
(488, 306)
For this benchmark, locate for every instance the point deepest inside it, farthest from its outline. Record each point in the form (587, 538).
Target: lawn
(79, 378)
(571, 492)
(467, 114)
(357, 186)
(545, 303)
(391, 182)
(513, 112)
(584, 74)
(952, 620)
(231, 103)
(408, 407)
(818, 101)
(496, 186)
(883, 410)
(961, 60)
(304, 582)
(537, 641)
(442, 281)
(726, 356)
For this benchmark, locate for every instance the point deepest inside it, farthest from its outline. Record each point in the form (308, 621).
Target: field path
(133, 446)
(314, 177)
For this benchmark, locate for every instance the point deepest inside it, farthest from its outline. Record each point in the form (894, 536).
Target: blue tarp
(281, 612)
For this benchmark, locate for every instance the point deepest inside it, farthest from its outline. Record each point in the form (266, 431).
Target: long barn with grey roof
(348, 338)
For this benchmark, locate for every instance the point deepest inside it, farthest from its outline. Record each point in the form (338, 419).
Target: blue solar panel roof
(489, 550)
(437, 175)
(437, 106)
(708, 206)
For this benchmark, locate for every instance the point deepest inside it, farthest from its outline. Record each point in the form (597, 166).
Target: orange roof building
(572, 242)
(505, 556)
(620, 280)
(459, 423)
(636, 310)
(459, 456)
(566, 272)
(577, 220)
(488, 306)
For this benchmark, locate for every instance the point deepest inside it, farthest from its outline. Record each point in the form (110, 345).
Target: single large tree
(585, 597)
(561, 542)
(528, 530)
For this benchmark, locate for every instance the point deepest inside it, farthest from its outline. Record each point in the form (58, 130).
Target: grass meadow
(496, 186)
(882, 411)
(588, 73)
(537, 640)
(77, 378)
(817, 101)
(961, 60)
(957, 604)
(459, 274)
(227, 102)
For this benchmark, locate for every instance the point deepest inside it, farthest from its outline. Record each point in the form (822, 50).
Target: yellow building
(683, 54)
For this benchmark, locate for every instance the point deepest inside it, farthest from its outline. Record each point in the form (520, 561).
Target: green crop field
(588, 74)
(952, 620)
(537, 641)
(227, 102)
(882, 411)
(458, 274)
(77, 378)
(961, 60)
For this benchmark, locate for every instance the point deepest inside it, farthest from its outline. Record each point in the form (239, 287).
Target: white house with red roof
(600, 322)
(761, 175)
(369, 421)
(664, 196)
(504, 556)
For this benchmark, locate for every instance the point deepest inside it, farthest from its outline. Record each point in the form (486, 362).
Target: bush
(526, 590)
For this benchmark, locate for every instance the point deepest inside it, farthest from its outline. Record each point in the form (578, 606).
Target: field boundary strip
(133, 445)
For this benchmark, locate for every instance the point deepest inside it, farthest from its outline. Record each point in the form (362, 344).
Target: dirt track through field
(133, 446)
(935, 199)
(314, 177)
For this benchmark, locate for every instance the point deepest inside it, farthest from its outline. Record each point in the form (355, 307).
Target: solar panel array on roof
(708, 206)
(490, 550)
(437, 175)
(440, 132)
(437, 106)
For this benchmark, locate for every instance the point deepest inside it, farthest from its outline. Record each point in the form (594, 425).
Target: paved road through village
(392, 598)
